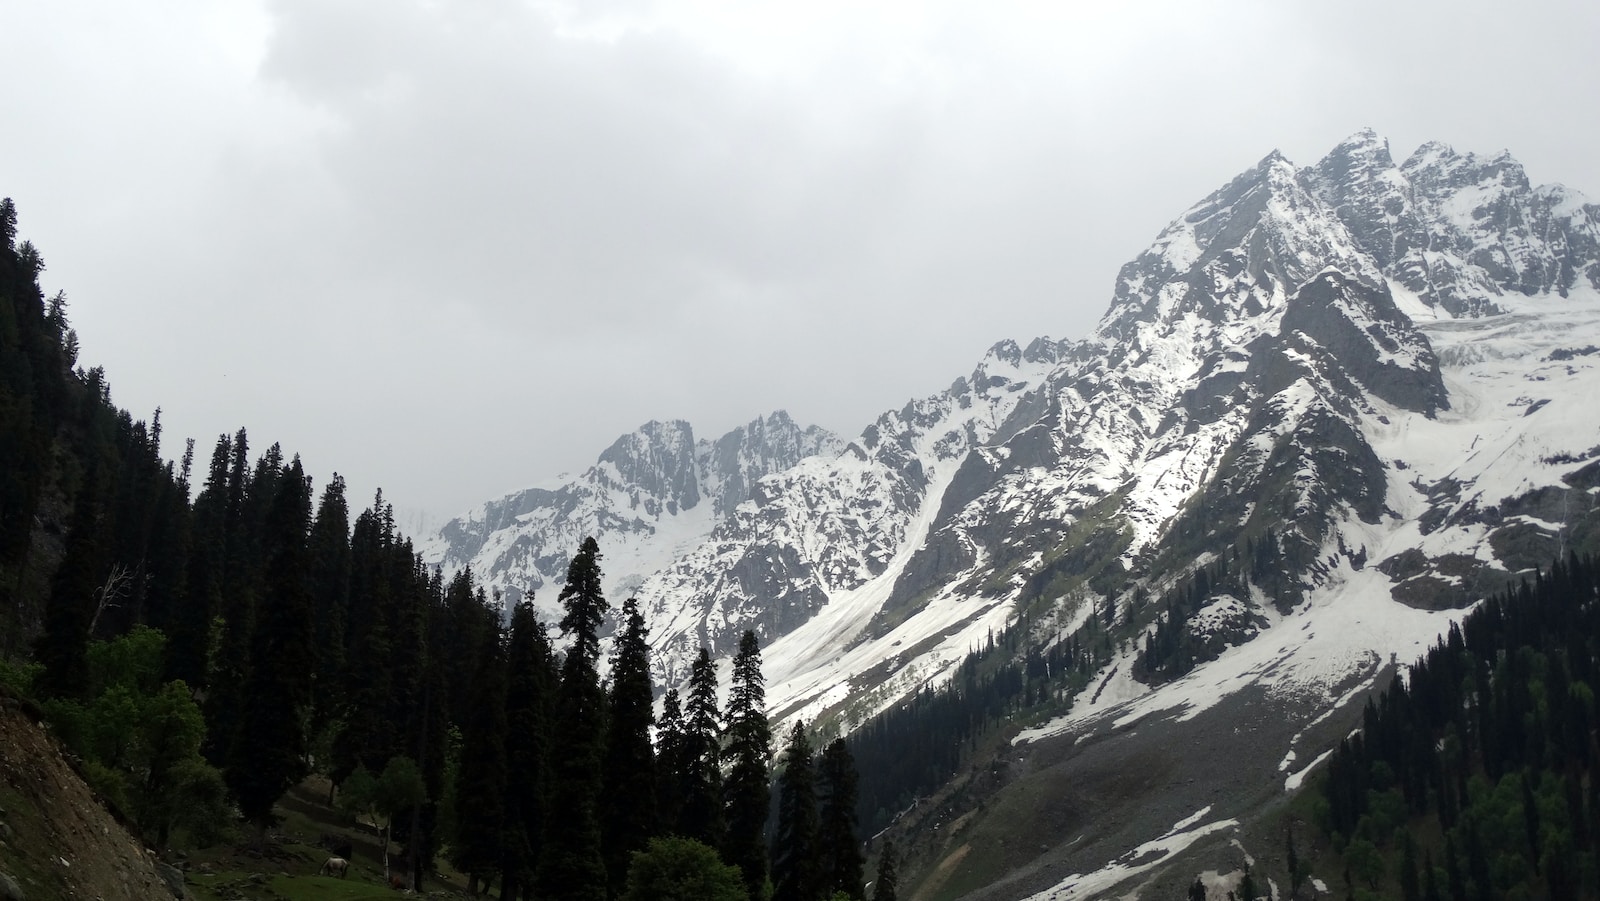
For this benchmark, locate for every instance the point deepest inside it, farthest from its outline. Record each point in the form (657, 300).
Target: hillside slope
(57, 839)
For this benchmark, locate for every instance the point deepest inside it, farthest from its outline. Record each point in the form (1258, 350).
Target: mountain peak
(1365, 149)
(658, 458)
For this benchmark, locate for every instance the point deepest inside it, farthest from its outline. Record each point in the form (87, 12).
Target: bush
(681, 869)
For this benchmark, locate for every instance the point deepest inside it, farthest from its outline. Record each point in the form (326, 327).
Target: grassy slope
(288, 869)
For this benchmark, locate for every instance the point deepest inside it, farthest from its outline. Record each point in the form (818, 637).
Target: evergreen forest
(1477, 776)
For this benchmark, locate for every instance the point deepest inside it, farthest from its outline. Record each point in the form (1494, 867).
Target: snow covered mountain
(1374, 379)
(1380, 373)
(652, 495)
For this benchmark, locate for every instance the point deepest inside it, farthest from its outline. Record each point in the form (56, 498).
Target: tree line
(204, 647)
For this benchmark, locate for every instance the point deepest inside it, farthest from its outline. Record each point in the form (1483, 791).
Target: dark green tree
(702, 817)
(240, 583)
(329, 554)
(189, 646)
(530, 690)
(681, 869)
(269, 747)
(571, 866)
(367, 735)
(747, 792)
(629, 787)
(672, 762)
(838, 846)
(884, 888)
(385, 798)
(796, 870)
(481, 782)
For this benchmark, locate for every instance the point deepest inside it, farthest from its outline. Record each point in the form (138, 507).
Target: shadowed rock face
(1376, 345)
(657, 462)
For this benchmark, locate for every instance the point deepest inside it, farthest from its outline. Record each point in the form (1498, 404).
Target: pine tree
(796, 873)
(747, 792)
(482, 779)
(532, 679)
(571, 867)
(189, 640)
(434, 746)
(628, 803)
(672, 762)
(701, 818)
(329, 548)
(888, 881)
(839, 848)
(368, 737)
(236, 598)
(269, 747)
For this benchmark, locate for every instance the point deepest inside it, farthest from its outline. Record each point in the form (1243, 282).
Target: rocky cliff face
(651, 495)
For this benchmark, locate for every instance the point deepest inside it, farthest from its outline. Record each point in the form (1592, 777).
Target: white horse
(334, 865)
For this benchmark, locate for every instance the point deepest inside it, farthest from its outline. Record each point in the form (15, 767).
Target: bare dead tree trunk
(116, 585)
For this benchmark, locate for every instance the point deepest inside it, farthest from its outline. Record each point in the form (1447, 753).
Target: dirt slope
(57, 840)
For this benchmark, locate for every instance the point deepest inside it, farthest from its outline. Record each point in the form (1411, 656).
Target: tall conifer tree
(747, 792)
(628, 805)
(796, 870)
(368, 737)
(481, 782)
(702, 817)
(189, 642)
(236, 598)
(887, 886)
(571, 867)
(531, 684)
(672, 763)
(268, 752)
(840, 849)
(329, 547)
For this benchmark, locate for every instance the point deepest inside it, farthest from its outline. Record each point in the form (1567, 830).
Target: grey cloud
(451, 249)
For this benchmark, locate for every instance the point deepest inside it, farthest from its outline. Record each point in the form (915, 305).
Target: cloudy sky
(454, 248)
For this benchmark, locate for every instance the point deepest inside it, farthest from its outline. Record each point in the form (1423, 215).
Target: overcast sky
(455, 248)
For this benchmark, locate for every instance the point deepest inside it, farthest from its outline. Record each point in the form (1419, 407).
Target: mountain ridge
(1367, 379)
